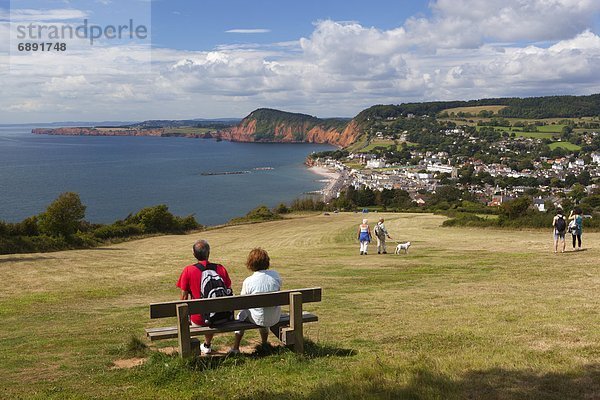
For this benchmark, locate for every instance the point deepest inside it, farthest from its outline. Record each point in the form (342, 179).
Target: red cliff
(265, 125)
(262, 125)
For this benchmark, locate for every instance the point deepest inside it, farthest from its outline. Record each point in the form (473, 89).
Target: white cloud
(248, 30)
(26, 106)
(467, 49)
(37, 15)
(351, 49)
(515, 20)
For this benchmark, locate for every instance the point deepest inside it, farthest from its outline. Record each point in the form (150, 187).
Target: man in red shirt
(190, 280)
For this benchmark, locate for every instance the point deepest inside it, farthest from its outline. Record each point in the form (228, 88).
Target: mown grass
(519, 132)
(564, 145)
(468, 313)
(557, 128)
(388, 144)
(535, 135)
(474, 110)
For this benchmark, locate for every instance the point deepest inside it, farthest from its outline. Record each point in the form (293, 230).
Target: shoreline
(158, 132)
(333, 177)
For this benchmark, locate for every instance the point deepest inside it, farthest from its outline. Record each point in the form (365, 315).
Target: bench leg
(296, 321)
(183, 331)
(276, 330)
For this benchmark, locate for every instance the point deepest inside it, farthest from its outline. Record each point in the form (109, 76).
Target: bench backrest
(203, 306)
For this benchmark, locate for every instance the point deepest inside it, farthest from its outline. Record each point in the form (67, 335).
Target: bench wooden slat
(202, 306)
(170, 332)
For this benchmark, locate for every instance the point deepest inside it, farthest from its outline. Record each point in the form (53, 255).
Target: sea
(116, 176)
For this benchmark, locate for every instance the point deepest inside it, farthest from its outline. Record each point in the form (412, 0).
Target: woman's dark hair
(578, 211)
(559, 210)
(258, 260)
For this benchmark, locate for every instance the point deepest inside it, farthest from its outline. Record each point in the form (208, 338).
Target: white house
(448, 169)
(376, 163)
(539, 204)
(579, 163)
(596, 158)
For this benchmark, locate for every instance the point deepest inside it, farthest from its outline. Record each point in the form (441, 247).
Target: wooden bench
(289, 329)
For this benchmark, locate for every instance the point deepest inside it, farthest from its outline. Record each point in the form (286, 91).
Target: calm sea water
(116, 176)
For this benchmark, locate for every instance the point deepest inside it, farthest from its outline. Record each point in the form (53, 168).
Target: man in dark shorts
(190, 284)
(560, 229)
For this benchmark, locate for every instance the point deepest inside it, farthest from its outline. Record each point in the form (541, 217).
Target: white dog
(402, 246)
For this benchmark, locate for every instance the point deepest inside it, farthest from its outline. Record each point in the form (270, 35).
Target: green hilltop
(268, 118)
(530, 107)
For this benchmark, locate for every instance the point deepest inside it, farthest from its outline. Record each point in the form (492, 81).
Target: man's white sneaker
(204, 349)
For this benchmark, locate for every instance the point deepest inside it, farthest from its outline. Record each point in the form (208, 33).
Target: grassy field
(551, 128)
(564, 145)
(536, 135)
(519, 132)
(468, 313)
(355, 165)
(187, 130)
(359, 144)
(475, 109)
(390, 144)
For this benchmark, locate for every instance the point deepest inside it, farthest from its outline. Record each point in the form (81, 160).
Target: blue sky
(330, 58)
(202, 25)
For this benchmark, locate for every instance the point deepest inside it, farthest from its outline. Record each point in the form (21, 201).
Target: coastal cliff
(262, 125)
(267, 125)
(98, 132)
(117, 131)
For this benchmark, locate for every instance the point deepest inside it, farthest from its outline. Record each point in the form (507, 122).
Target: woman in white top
(262, 280)
(364, 236)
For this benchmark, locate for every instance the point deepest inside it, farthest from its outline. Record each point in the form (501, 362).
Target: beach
(334, 181)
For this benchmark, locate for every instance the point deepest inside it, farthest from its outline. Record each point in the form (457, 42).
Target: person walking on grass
(576, 226)
(262, 280)
(191, 282)
(364, 236)
(380, 234)
(560, 229)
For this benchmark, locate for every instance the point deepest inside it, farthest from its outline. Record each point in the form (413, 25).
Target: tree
(281, 209)
(584, 178)
(402, 199)
(155, 219)
(447, 194)
(515, 208)
(592, 202)
(365, 197)
(577, 192)
(63, 217)
(525, 163)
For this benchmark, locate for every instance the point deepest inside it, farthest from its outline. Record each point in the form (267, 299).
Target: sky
(217, 59)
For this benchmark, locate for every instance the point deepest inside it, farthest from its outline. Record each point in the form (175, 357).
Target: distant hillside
(197, 123)
(194, 128)
(268, 125)
(531, 107)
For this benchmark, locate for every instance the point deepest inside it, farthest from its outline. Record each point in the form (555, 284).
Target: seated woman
(262, 280)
